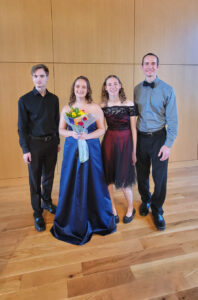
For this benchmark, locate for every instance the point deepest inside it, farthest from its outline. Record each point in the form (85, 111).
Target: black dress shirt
(37, 116)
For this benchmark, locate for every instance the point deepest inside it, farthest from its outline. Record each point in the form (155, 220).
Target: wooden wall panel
(95, 38)
(15, 81)
(184, 80)
(65, 74)
(93, 31)
(25, 31)
(168, 28)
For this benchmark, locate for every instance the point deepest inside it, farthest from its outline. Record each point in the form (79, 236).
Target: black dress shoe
(39, 223)
(144, 209)
(117, 219)
(129, 219)
(159, 221)
(50, 207)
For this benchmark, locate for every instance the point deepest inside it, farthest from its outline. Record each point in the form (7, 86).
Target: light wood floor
(136, 262)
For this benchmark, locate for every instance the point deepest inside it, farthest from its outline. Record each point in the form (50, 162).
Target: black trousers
(42, 167)
(147, 154)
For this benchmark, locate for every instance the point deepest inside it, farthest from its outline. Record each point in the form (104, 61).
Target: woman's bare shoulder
(66, 108)
(95, 106)
(128, 102)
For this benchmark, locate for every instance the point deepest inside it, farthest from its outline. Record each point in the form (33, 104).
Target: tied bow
(151, 84)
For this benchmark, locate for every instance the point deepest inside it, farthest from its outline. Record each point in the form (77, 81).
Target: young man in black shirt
(38, 120)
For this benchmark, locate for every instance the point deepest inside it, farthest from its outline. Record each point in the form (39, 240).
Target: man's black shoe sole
(38, 228)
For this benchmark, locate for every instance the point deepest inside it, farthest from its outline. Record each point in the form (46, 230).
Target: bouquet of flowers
(79, 121)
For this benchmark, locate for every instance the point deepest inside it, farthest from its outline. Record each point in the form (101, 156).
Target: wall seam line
(134, 49)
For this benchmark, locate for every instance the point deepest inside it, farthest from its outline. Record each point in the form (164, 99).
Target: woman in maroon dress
(119, 143)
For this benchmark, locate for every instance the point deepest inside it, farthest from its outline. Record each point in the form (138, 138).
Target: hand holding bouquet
(79, 121)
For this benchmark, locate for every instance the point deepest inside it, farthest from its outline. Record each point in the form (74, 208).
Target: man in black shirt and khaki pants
(38, 120)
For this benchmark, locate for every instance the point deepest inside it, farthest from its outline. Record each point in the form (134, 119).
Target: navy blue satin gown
(84, 205)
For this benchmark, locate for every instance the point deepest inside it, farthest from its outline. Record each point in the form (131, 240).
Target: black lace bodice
(118, 117)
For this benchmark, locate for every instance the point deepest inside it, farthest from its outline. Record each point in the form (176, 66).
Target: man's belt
(151, 133)
(44, 138)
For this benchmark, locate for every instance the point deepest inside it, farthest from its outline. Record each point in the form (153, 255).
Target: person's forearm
(134, 137)
(171, 120)
(95, 134)
(65, 133)
(23, 141)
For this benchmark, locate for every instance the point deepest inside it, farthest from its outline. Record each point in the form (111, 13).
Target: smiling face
(40, 79)
(112, 87)
(80, 89)
(150, 67)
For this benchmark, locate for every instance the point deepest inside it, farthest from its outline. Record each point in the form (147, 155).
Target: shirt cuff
(25, 150)
(168, 143)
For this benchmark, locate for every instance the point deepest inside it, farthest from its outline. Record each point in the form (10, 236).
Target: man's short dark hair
(150, 54)
(40, 66)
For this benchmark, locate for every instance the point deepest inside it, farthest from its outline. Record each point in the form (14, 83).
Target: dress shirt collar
(36, 93)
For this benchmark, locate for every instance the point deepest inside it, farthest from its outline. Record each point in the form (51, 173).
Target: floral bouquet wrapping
(79, 121)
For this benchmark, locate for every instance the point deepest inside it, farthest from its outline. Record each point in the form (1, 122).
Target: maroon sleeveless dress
(117, 146)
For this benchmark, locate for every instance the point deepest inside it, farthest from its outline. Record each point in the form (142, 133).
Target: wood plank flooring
(137, 262)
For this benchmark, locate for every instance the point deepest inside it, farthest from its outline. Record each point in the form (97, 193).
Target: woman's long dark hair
(105, 95)
(72, 98)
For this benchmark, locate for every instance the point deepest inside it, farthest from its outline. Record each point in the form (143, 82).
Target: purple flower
(71, 120)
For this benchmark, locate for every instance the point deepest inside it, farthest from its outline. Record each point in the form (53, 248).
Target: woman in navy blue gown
(84, 205)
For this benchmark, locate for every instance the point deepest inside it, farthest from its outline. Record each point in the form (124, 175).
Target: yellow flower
(73, 114)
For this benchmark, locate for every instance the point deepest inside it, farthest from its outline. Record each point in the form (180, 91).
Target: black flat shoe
(50, 207)
(39, 223)
(144, 209)
(129, 219)
(117, 219)
(159, 221)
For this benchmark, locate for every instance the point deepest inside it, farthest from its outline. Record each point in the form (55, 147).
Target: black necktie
(151, 84)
